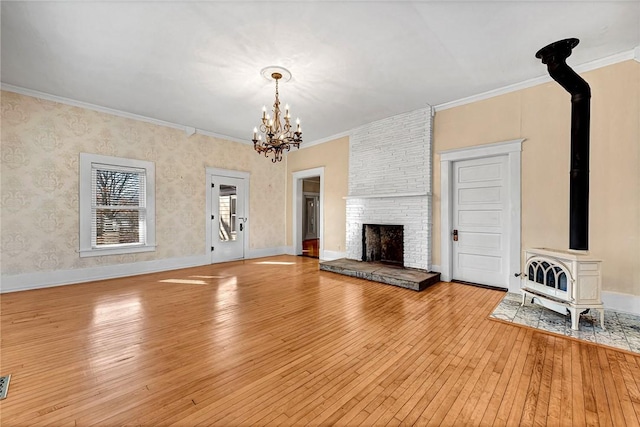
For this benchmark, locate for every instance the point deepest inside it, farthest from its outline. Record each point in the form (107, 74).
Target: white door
(228, 218)
(480, 250)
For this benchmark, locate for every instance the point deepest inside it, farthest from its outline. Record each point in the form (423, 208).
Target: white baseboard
(331, 255)
(326, 255)
(261, 253)
(621, 302)
(47, 279)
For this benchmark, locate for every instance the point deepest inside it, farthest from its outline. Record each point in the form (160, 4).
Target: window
(228, 209)
(117, 205)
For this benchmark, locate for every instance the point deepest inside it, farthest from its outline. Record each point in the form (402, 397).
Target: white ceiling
(198, 63)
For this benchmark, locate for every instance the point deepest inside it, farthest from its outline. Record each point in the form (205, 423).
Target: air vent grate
(4, 386)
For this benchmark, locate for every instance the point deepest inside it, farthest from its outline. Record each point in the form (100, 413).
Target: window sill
(115, 251)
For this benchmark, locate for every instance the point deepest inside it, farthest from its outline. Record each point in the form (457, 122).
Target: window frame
(85, 200)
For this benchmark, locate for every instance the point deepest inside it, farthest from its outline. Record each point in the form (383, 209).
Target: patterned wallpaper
(40, 145)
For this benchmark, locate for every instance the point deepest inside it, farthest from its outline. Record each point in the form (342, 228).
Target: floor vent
(4, 386)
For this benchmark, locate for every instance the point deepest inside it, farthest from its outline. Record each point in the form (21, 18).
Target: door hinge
(213, 185)
(213, 217)
(212, 248)
(455, 235)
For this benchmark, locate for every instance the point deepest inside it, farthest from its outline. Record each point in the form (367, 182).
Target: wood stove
(563, 281)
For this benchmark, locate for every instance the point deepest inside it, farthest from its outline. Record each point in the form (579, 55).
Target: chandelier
(278, 137)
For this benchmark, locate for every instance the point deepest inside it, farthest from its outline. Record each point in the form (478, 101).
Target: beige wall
(334, 156)
(542, 115)
(41, 142)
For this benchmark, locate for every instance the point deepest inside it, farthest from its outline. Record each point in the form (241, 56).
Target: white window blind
(118, 207)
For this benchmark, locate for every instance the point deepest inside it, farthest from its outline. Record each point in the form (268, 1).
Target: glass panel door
(228, 218)
(227, 200)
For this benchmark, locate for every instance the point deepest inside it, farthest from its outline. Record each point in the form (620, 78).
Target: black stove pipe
(554, 55)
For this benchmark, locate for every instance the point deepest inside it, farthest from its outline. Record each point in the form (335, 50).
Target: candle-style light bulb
(255, 132)
(264, 111)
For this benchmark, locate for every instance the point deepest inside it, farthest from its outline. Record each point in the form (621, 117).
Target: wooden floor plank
(579, 393)
(275, 341)
(605, 416)
(558, 401)
(508, 378)
(617, 397)
(546, 382)
(631, 380)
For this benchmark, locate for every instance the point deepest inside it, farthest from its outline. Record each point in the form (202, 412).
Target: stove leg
(601, 311)
(575, 318)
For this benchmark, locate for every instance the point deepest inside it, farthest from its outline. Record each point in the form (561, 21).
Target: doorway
(308, 220)
(227, 214)
(310, 217)
(480, 214)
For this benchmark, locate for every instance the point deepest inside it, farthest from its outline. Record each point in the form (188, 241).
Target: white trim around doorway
(296, 208)
(512, 149)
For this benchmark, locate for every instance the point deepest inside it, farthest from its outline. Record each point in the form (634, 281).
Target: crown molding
(636, 54)
(592, 65)
(326, 139)
(220, 136)
(188, 130)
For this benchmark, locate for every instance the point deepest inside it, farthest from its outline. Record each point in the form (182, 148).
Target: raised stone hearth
(410, 278)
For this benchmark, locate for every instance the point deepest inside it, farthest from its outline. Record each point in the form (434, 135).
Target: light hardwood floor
(275, 341)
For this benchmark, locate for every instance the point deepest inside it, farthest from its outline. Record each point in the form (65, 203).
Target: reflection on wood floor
(311, 248)
(274, 340)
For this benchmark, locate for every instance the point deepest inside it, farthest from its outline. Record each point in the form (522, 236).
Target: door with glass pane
(228, 218)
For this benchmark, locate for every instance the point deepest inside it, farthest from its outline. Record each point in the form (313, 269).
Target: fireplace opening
(383, 243)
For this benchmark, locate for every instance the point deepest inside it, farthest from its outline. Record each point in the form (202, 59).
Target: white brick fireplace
(390, 183)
